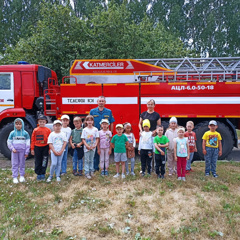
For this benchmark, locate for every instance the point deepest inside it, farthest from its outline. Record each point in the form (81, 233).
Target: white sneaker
(179, 179)
(116, 176)
(15, 180)
(58, 179)
(132, 173)
(49, 179)
(127, 173)
(184, 179)
(22, 179)
(88, 176)
(123, 176)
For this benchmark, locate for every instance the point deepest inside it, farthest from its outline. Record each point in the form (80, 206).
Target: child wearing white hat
(57, 141)
(67, 130)
(105, 136)
(171, 133)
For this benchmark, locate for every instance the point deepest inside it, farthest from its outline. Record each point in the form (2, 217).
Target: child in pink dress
(104, 146)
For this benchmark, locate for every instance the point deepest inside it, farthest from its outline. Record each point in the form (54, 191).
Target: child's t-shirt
(212, 139)
(146, 141)
(105, 137)
(191, 140)
(90, 135)
(119, 143)
(160, 140)
(67, 131)
(171, 134)
(57, 140)
(40, 137)
(181, 147)
(76, 135)
(131, 138)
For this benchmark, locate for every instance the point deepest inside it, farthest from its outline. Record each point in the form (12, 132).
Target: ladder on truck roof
(197, 69)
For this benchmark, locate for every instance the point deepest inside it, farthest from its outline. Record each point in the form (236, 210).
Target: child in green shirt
(119, 142)
(161, 142)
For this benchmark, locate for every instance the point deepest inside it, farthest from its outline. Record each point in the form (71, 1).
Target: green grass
(134, 208)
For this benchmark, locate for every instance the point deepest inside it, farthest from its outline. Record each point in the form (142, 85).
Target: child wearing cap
(19, 144)
(171, 133)
(104, 146)
(212, 148)
(146, 147)
(119, 142)
(57, 141)
(67, 130)
(181, 153)
(77, 146)
(131, 147)
(90, 138)
(40, 148)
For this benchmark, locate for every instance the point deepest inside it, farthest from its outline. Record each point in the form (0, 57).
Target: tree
(17, 17)
(114, 35)
(61, 37)
(211, 26)
(84, 9)
(55, 41)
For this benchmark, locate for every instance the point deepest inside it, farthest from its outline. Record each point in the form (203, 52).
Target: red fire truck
(190, 89)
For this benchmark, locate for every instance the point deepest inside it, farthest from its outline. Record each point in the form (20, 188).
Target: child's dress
(104, 144)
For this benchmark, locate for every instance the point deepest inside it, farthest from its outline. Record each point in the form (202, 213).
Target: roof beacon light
(23, 62)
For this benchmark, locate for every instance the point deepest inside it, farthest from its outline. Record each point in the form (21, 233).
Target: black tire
(227, 139)
(4, 133)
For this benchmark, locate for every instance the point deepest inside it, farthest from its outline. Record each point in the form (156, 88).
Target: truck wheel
(4, 133)
(227, 139)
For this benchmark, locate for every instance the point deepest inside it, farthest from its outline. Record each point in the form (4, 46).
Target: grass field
(136, 208)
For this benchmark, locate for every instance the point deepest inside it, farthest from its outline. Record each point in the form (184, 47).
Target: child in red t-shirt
(40, 147)
(192, 143)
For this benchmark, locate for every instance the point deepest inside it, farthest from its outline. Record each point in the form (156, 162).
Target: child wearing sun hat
(146, 147)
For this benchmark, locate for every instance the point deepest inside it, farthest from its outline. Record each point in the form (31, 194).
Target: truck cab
(22, 89)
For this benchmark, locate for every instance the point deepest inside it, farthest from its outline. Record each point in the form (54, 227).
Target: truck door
(6, 91)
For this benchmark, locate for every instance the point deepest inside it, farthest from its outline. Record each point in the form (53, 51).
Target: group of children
(176, 147)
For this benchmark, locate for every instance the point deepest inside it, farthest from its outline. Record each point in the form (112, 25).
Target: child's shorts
(120, 157)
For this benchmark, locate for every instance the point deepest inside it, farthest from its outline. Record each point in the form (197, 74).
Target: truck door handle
(11, 100)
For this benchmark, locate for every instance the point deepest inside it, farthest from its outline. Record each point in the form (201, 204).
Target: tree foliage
(17, 17)
(114, 35)
(54, 42)
(60, 37)
(211, 27)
